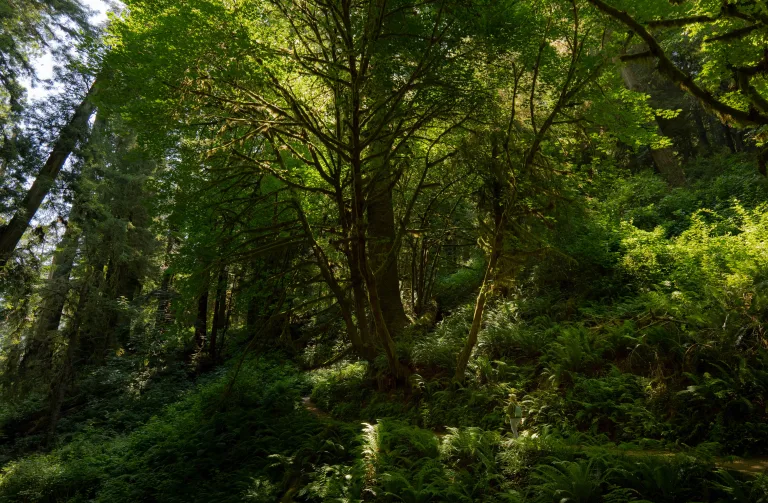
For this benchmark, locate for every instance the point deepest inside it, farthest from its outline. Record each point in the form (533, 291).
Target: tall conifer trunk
(164, 295)
(61, 382)
(53, 296)
(201, 322)
(219, 310)
(11, 234)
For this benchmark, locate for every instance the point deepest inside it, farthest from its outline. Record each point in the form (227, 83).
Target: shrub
(505, 335)
(615, 405)
(576, 350)
(341, 384)
(439, 349)
(205, 447)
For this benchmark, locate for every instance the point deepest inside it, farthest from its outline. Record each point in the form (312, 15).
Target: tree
(546, 100)
(328, 106)
(40, 344)
(732, 39)
(70, 135)
(664, 157)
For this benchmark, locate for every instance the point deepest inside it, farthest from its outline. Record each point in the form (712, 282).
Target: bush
(576, 350)
(439, 350)
(344, 383)
(615, 405)
(203, 448)
(505, 335)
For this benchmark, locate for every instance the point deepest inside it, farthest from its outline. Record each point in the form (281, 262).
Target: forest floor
(755, 465)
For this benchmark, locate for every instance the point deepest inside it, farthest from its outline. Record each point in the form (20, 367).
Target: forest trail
(306, 402)
(751, 466)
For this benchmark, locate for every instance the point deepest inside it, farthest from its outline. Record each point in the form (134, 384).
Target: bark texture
(381, 239)
(219, 311)
(664, 158)
(53, 297)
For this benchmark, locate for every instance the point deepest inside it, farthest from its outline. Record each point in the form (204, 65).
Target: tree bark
(60, 384)
(664, 158)
(228, 308)
(252, 309)
(684, 81)
(219, 310)
(128, 285)
(359, 233)
(358, 228)
(59, 387)
(704, 145)
(668, 166)
(201, 322)
(75, 130)
(333, 284)
(728, 138)
(482, 297)
(738, 139)
(381, 238)
(39, 349)
(367, 350)
(164, 295)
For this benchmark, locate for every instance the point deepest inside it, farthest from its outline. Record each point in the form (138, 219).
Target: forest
(384, 251)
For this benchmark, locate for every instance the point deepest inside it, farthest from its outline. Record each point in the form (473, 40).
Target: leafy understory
(384, 251)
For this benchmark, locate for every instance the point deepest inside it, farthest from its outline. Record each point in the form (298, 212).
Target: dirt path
(751, 466)
(306, 402)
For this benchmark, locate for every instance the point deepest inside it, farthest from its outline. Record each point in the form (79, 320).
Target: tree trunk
(228, 308)
(358, 230)
(668, 165)
(53, 298)
(60, 384)
(325, 271)
(128, 285)
(11, 234)
(482, 297)
(252, 309)
(359, 234)
(359, 299)
(701, 131)
(360, 334)
(728, 138)
(381, 237)
(738, 139)
(201, 322)
(162, 314)
(219, 310)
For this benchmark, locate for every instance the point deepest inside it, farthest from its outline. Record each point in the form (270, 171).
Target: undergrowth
(635, 363)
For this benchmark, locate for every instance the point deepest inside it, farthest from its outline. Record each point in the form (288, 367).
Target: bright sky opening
(43, 64)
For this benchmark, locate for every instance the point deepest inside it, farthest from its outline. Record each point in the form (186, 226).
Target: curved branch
(682, 80)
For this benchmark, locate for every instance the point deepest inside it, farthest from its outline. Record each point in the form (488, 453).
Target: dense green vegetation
(327, 250)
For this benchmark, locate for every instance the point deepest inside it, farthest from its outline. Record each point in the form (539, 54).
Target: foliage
(208, 429)
(383, 251)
